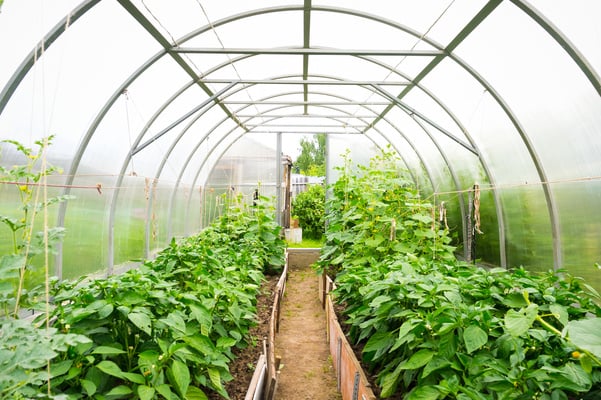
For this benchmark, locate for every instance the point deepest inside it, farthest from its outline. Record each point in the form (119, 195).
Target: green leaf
(142, 321)
(164, 390)
(570, 377)
(179, 376)
(195, 393)
(423, 393)
(135, 378)
(107, 350)
(474, 338)
(175, 321)
(560, 313)
(225, 342)
(145, 392)
(515, 300)
(88, 386)
(378, 341)
(120, 391)
(586, 334)
(13, 223)
(517, 323)
(586, 363)
(215, 377)
(60, 368)
(435, 364)
(389, 382)
(418, 360)
(110, 368)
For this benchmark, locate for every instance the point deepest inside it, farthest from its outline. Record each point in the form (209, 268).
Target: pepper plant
(170, 328)
(431, 327)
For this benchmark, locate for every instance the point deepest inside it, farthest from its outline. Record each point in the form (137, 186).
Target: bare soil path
(306, 371)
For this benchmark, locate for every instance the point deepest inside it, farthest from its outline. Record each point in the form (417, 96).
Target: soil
(306, 371)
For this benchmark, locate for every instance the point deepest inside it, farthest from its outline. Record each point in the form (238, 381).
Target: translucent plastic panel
(433, 115)
(217, 9)
(347, 36)
(420, 142)
(562, 121)
(452, 17)
(360, 150)
(22, 25)
(85, 247)
(61, 95)
(355, 69)
(410, 158)
(132, 213)
(247, 165)
(160, 217)
(271, 30)
(528, 230)
(417, 14)
(15, 198)
(468, 171)
(580, 223)
(168, 20)
(579, 22)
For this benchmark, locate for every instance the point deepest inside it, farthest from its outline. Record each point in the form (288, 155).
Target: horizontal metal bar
(312, 132)
(328, 116)
(309, 103)
(306, 51)
(268, 125)
(303, 82)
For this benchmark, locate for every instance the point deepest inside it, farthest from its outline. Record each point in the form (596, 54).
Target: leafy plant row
(434, 328)
(166, 330)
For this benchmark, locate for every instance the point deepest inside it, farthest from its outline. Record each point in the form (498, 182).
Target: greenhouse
(151, 181)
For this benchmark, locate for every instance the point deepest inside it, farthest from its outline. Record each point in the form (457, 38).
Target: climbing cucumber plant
(433, 328)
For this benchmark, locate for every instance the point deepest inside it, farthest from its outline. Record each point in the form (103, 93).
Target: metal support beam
(306, 45)
(316, 51)
(304, 81)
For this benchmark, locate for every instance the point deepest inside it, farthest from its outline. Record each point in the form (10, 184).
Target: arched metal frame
(439, 53)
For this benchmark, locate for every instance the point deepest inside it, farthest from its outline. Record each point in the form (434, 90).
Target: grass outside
(307, 243)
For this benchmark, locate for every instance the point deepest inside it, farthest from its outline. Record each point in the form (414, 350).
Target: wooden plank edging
(346, 364)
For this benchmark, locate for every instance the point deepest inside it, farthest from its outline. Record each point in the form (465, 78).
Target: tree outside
(312, 158)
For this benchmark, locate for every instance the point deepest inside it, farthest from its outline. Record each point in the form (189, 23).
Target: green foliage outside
(309, 208)
(434, 328)
(165, 330)
(312, 159)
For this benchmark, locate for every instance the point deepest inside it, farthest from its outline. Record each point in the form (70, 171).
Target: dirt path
(306, 366)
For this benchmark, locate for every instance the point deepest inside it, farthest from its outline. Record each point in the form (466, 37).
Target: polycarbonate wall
(169, 105)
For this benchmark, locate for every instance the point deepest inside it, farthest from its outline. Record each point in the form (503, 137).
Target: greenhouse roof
(503, 93)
